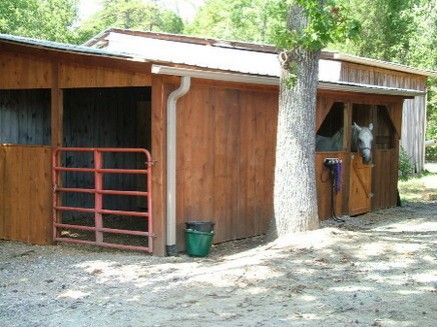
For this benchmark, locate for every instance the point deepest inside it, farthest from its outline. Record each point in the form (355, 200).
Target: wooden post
(159, 113)
(347, 124)
(57, 108)
(347, 128)
(57, 115)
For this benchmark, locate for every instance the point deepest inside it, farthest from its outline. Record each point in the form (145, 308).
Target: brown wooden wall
(28, 68)
(25, 116)
(225, 154)
(25, 194)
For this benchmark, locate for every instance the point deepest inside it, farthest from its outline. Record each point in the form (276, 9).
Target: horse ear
(357, 127)
(371, 126)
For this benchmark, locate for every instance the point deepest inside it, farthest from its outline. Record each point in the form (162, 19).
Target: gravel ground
(378, 269)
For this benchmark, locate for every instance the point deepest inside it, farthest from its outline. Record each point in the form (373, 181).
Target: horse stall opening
(118, 118)
(365, 186)
(25, 183)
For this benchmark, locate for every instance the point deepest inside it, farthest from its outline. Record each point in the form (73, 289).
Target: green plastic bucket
(198, 244)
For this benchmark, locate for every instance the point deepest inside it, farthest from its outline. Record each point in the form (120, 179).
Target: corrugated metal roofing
(241, 57)
(205, 56)
(205, 53)
(62, 46)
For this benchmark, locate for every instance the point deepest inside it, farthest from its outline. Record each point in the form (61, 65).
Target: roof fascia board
(218, 76)
(366, 88)
(60, 48)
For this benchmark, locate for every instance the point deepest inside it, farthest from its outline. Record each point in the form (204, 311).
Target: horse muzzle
(367, 156)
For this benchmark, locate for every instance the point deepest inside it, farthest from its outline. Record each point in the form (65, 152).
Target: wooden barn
(121, 141)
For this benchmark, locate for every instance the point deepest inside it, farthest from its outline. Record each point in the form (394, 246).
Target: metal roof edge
(214, 75)
(62, 47)
(96, 38)
(259, 47)
(368, 88)
(199, 40)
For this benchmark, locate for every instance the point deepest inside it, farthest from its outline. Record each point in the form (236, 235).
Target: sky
(185, 8)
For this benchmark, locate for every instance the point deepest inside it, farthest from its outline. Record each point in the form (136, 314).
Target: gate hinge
(151, 163)
(371, 195)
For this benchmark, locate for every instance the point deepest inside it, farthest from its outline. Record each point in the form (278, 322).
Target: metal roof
(205, 56)
(65, 47)
(252, 58)
(241, 58)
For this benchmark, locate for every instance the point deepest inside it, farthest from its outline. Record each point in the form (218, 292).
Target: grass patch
(422, 188)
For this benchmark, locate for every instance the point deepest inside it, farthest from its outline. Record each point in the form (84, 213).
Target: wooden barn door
(360, 186)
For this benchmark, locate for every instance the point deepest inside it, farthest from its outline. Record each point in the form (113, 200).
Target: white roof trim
(367, 88)
(383, 64)
(217, 76)
(261, 80)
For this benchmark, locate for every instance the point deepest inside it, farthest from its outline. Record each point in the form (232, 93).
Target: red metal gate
(98, 191)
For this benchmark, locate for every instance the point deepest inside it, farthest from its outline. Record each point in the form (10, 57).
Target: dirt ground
(378, 269)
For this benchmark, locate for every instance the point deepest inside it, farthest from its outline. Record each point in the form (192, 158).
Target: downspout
(171, 162)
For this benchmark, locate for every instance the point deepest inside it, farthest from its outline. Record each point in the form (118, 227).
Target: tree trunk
(295, 198)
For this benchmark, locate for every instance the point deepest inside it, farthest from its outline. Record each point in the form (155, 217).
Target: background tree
(44, 19)
(132, 14)
(387, 29)
(403, 31)
(247, 20)
(304, 28)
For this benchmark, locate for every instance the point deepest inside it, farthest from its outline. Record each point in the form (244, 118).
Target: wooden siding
(413, 130)
(25, 194)
(23, 72)
(79, 75)
(22, 68)
(225, 154)
(414, 113)
(25, 116)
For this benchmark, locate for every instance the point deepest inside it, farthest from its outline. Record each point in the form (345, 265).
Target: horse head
(362, 138)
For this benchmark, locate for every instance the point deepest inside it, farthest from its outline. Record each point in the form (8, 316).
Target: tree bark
(295, 198)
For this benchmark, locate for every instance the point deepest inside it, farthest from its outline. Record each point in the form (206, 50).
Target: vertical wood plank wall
(25, 116)
(225, 159)
(414, 110)
(25, 193)
(28, 74)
